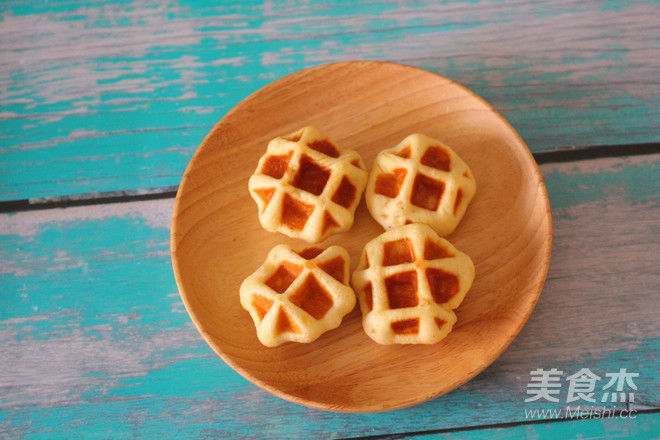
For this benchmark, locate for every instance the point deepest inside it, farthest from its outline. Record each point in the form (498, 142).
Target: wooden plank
(639, 427)
(114, 95)
(94, 338)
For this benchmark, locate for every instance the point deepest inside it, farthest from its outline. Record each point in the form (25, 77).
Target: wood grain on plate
(94, 337)
(113, 96)
(217, 240)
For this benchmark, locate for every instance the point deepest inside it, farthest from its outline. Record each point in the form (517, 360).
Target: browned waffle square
(307, 187)
(298, 295)
(408, 281)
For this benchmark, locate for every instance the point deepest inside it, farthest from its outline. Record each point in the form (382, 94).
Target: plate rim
(548, 241)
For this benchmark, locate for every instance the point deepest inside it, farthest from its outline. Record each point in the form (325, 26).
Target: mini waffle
(408, 282)
(421, 180)
(298, 295)
(307, 187)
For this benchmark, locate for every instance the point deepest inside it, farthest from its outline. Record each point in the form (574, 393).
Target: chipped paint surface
(643, 427)
(633, 180)
(95, 339)
(117, 95)
(155, 214)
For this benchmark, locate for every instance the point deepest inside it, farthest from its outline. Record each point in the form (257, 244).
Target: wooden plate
(368, 106)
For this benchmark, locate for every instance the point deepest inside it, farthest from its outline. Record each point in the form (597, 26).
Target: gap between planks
(493, 426)
(567, 154)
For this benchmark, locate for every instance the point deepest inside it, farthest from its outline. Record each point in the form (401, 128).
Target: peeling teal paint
(634, 184)
(115, 293)
(142, 88)
(643, 427)
(54, 7)
(136, 122)
(83, 280)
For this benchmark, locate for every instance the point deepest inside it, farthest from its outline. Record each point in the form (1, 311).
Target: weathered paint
(95, 340)
(634, 180)
(641, 427)
(117, 95)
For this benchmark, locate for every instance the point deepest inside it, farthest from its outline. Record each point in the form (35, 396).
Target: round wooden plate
(217, 240)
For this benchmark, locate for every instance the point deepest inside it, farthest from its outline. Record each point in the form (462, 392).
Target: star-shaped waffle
(421, 180)
(408, 282)
(298, 295)
(307, 187)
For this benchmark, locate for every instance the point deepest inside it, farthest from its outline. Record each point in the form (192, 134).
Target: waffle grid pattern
(421, 180)
(306, 187)
(298, 296)
(408, 282)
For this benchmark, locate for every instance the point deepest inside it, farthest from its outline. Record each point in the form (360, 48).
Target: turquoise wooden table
(102, 105)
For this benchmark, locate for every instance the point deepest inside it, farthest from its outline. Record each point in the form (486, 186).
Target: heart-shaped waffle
(408, 282)
(421, 180)
(298, 295)
(307, 187)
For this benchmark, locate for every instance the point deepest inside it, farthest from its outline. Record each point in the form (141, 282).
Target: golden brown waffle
(421, 180)
(298, 295)
(408, 282)
(307, 187)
